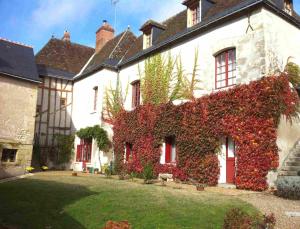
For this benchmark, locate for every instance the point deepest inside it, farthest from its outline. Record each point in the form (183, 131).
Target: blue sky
(33, 22)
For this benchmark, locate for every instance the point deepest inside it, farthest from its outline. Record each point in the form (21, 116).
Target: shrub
(288, 187)
(236, 218)
(249, 114)
(65, 148)
(148, 172)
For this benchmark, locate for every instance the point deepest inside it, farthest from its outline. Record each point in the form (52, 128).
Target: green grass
(58, 200)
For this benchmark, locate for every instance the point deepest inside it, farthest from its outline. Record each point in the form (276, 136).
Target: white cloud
(158, 10)
(52, 13)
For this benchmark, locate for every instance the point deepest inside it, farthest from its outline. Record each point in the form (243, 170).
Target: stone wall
(17, 118)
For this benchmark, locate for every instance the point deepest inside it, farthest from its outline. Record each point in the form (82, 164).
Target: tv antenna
(114, 3)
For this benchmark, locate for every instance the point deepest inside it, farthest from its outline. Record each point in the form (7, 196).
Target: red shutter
(89, 152)
(79, 153)
(168, 151)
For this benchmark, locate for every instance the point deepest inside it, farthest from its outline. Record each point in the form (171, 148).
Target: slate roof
(112, 52)
(152, 22)
(17, 60)
(43, 70)
(64, 55)
(177, 31)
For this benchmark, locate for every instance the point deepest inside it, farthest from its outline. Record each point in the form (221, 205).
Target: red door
(230, 161)
(168, 150)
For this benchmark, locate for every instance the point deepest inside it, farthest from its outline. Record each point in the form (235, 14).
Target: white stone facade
(263, 41)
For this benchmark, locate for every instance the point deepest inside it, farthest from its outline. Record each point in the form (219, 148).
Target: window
(288, 7)
(95, 98)
(170, 151)
(147, 40)
(128, 151)
(63, 102)
(135, 93)
(195, 14)
(225, 69)
(84, 151)
(9, 155)
(38, 109)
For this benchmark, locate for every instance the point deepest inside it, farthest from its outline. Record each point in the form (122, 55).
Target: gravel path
(268, 203)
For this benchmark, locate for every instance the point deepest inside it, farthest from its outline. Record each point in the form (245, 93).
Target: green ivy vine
(97, 133)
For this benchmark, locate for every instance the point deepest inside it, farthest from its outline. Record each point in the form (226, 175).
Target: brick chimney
(67, 36)
(103, 35)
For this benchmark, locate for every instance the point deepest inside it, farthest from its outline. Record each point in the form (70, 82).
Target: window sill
(224, 88)
(6, 163)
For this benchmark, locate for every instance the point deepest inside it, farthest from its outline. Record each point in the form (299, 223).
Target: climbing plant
(249, 114)
(65, 148)
(97, 133)
(164, 80)
(293, 71)
(114, 100)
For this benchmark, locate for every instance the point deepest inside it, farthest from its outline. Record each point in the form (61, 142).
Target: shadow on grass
(33, 203)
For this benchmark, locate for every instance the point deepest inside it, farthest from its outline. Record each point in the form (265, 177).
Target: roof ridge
(73, 43)
(15, 42)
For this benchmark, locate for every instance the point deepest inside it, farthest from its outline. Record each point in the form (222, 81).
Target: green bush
(236, 218)
(288, 187)
(148, 173)
(65, 148)
(97, 133)
(293, 71)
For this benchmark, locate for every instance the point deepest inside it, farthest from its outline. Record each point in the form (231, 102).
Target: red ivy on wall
(248, 113)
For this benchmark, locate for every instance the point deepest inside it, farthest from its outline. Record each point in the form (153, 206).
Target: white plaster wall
(288, 133)
(282, 41)
(84, 114)
(83, 95)
(249, 50)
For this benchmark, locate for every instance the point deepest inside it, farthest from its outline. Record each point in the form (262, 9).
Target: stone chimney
(103, 35)
(67, 36)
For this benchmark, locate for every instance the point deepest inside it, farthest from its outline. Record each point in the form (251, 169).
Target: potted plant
(200, 186)
(44, 168)
(29, 169)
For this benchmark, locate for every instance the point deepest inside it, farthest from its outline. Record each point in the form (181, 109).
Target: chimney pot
(67, 36)
(103, 35)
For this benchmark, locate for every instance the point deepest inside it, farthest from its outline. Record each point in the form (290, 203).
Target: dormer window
(147, 40)
(288, 6)
(193, 12)
(151, 31)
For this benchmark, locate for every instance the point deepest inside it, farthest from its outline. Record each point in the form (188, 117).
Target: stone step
(292, 163)
(291, 168)
(287, 173)
(296, 154)
(294, 159)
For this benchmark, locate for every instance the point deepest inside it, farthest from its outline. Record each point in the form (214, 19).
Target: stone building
(18, 95)
(57, 63)
(238, 41)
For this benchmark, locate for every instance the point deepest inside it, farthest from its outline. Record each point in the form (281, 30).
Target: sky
(33, 22)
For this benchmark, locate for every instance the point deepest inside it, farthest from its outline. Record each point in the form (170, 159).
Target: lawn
(58, 200)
